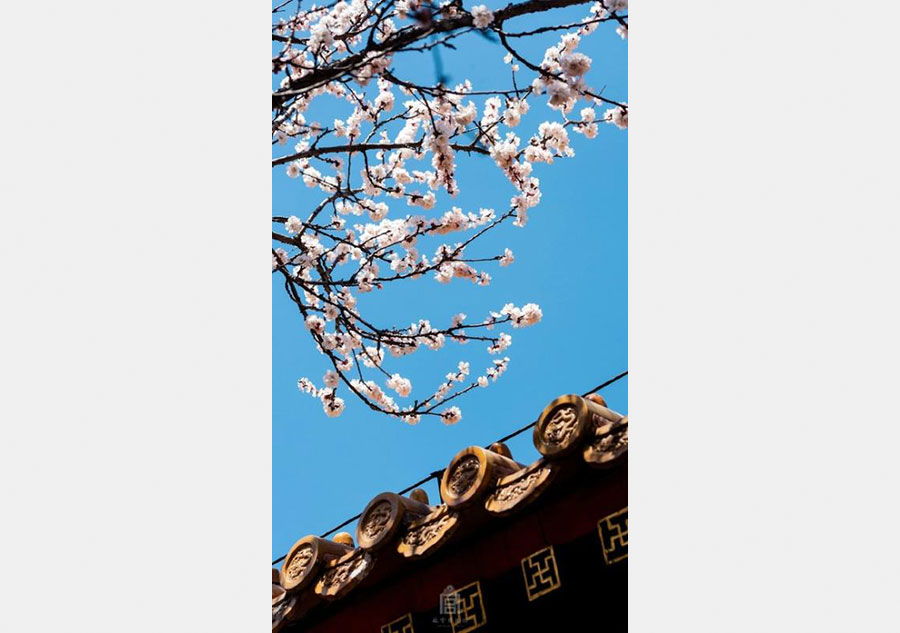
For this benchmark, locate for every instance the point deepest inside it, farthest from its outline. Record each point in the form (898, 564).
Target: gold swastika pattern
(541, 574)
(400, 625)
(614, 536)
(469, 613)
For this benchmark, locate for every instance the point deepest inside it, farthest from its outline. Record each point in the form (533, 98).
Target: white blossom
(399, 384)
(575, 64)
(315, 324)
(482, 16)
(333, 406)
(502, 343)
(618, 116)
(451, 415)
(279, 257)
(293, 225)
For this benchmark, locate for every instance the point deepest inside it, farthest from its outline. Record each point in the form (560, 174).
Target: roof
(404, 544)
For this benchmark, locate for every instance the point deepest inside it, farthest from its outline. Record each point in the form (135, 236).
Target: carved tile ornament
(469, 612)
(464, 474)
(612, 442)
(428, 532)
(299, 562)
(561, 425)
(609, 442)
(541, 573)
(513, 490)
(343, 575)
(376, 520)
(613, 531)
(601, 424)
(281, 609)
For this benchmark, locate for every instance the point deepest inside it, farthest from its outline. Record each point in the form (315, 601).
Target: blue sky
(571, 259)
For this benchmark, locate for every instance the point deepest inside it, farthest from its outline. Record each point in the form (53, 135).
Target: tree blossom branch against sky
(570, 259)
(389, 149)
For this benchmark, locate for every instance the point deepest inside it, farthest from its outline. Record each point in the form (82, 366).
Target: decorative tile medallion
(541, 574)
(614, 536)
(469, 609)
(400, 625)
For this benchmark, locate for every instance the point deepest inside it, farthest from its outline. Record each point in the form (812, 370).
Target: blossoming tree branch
(378, 169)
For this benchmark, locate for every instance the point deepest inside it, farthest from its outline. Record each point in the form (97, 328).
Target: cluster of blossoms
(396, 149)
(331, 403)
